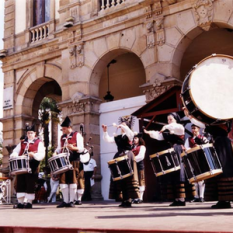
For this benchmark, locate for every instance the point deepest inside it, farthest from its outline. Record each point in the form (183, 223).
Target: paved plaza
(106, 216)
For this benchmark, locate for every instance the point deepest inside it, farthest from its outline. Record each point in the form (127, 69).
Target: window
(41, 11)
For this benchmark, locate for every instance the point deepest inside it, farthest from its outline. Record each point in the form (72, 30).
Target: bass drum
(207, 90)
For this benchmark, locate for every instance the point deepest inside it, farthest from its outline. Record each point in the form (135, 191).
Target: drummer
(223, 148)
(71, 181)
(173, 133)
(34, 148)
(197, 139)
(128, 188)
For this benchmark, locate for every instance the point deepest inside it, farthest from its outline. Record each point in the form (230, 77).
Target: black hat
(193, 125)
(66, 122)
(137, 135)
(30, 128)
(176, 116)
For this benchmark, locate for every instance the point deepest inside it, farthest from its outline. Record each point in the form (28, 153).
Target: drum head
(211, 86)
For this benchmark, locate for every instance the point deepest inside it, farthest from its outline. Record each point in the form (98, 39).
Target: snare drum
(207, 90)
(59, 164)
(201, 163)
(19, 165)
(164, 162)
(120, 168)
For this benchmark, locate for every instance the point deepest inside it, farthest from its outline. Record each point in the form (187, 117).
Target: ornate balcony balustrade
(39, 32)
(106, 4)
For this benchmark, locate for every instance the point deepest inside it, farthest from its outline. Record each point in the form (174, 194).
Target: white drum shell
(14, 162)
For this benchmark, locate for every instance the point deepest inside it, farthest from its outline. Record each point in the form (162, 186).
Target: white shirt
(174, 128)
(90, 166)
(79, 142)
(37, 156)
(141, 154)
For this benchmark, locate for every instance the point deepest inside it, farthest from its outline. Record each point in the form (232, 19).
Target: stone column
(85, 110)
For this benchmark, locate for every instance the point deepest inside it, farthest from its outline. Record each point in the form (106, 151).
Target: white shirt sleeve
(80, 143)
(58, 150)
(16, 151)
(186, 144)
(40, 153)
(156, 135)
(198, 123)
(107, 138)
(129, 133)
(175, 128)
(141, 154)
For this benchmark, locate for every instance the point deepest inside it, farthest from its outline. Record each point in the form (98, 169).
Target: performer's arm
(186, 144)
(58, 150)
(40, 154)
(16, 151)
(141, 154)
(107, 138)
(129, 133)
(174, 128)
(155, 134)
(80, 143)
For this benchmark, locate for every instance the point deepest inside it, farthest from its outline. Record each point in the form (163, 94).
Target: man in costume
(72, 143)
(173, 134)
(196, 139)
(127, 188)
(32, 147)
(223, 148)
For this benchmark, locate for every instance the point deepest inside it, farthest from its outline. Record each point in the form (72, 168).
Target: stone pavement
(106, 216)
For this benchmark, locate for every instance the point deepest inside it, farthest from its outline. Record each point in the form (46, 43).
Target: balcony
(105, 5)
(39, 32)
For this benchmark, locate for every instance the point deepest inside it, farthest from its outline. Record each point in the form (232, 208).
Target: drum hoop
(199, 147)
(206, 175)
(168, 171)
(122, 177)
(124, 157)
(57, 156)
(190, 77)
(162, 152)
(18, 157)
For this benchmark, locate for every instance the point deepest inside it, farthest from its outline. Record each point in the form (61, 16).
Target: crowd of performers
(131, 144)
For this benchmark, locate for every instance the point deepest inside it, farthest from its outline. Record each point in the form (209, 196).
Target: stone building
(74, 51)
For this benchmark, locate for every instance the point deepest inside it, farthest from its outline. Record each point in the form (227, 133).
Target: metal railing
(5, 191)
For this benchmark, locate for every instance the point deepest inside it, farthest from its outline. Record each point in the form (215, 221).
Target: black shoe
(78, 203)
(28, 206)
(221, 205)
(137, 201)
(195, 200)
(125, 204)
(178, 203)
(20, 206)
(62, 205)
(71, 204)
(202, 199)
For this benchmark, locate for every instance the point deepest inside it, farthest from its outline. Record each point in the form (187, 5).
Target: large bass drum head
(211, 86)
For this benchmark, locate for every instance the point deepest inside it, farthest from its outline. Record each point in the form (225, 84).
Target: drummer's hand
(31, 154)
(145, 131)
(54, 154)
(186, 113)
(70, 147)
(163, 129)
(104, 127)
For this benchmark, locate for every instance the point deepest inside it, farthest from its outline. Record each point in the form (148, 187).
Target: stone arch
(100, 66)
(32, 84)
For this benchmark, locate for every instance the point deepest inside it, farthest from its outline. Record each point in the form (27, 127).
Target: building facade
(74, 51)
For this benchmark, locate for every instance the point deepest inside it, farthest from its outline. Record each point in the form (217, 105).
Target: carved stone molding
(80, 105)
(150, 34)
(159, 29)
(203, 10)
(153, 90)
(72, 51)
(80, 54)
(170, 2)
(158, 8)
(148, 10)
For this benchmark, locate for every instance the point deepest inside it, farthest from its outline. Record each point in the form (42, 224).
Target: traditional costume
(127, 188)
(223, 148)
(25, 187)
(72, 181)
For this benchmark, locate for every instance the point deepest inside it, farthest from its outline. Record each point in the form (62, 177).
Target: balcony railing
(39, 32)
(106, 4)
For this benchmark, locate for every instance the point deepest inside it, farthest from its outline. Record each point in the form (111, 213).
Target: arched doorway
(126, 75)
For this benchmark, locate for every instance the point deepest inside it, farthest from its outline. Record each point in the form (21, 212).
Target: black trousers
(87, 191)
